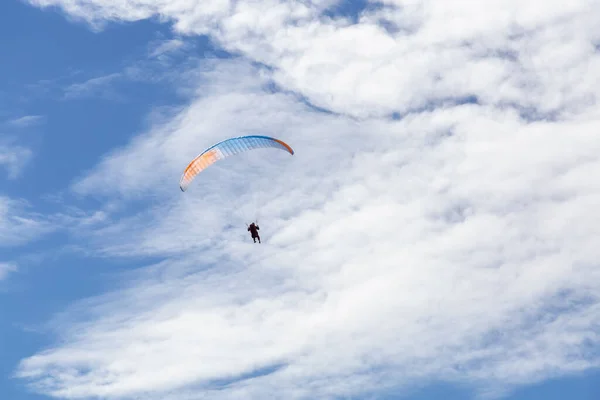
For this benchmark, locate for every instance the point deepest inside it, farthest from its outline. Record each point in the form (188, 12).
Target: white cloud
(18, 225)
(14, 158)
(162, 48)
(506, 52)
(21, 224)
(98, 86)
(457, 243)
(410, 248)
(26, 121)
(159, 64)
(6, 268)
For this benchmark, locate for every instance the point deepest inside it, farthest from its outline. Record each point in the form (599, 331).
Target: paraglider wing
(225, 149)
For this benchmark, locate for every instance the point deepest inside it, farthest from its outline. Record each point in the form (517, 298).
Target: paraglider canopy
(225, 149)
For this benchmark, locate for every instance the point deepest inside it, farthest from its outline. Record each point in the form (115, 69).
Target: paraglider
(225, 149)
(253, 229)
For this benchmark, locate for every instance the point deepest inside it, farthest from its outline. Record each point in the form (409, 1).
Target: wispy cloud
(18, 225)
(6, 268)
(95, 87)
(458, 242)
(14, 158)
(26, 121)
(159, 64)
(164, 47)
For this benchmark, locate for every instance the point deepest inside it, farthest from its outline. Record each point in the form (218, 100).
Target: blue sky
(47, 54)
(108, 273)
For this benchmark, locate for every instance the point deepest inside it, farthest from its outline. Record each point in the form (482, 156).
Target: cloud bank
(455, 241)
